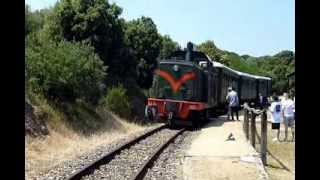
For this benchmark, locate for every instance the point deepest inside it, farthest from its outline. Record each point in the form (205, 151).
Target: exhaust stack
(189, 52)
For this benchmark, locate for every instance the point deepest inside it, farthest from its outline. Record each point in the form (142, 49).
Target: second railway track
(131, 160)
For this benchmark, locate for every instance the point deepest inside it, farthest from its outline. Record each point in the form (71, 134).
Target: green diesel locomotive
(189, 88)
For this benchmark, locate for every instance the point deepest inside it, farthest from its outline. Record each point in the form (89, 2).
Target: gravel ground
(65, 169)
(169, 164)
(126, 164)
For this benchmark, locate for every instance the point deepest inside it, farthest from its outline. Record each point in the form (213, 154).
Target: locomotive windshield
(174, 81)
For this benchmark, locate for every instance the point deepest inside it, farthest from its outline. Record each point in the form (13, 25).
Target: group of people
(280, 111)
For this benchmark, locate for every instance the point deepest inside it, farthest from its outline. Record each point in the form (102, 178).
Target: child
(275, 109)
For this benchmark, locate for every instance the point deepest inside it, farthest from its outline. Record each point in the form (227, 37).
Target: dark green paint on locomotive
(189, 91)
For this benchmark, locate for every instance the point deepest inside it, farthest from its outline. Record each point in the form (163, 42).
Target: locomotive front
(176, 94)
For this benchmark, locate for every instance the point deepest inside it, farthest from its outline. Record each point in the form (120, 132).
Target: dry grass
(43, 154)
(64, 143)
(280, 156)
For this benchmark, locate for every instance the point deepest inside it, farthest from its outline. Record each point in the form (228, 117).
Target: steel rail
(89, 169)
(150, 161)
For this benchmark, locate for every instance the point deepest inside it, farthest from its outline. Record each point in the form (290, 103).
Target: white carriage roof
(262, 77)
(217, 64)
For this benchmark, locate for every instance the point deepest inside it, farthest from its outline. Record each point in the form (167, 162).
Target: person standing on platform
(288, 109)
(294, 110)
(233, 103)
(263, 101)
(275, 110)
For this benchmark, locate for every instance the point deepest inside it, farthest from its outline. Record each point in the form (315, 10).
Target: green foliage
(118, 102)
(240, 64)
(34, 21)
(209, 48)
(68, 46)
(98, 23)
(277, 66)
(95, 22)
(64, 70)
(229, 59)
(168, 46)
(142, 37)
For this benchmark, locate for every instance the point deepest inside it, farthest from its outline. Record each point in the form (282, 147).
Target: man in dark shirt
(263, 101)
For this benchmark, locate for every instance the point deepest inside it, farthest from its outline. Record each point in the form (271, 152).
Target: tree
(278, 67)
(209, 48)
(28, 22)
(168, 46)
(94, 21)
(34, 21)
(141, 35)
(288, 55)
(245, 57)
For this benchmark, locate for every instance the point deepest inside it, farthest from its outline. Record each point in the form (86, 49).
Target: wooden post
(253, 129)
(264, 127)
(246, 123)
(244, 119)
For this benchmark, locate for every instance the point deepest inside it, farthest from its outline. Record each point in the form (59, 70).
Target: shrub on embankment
(64, 70)
(68, 117)
(65, 81)
(118, 101)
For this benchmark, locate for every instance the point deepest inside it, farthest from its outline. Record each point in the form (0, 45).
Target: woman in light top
(288, 112)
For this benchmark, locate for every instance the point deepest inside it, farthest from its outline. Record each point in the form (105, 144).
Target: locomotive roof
(168, 61)
(182, 54)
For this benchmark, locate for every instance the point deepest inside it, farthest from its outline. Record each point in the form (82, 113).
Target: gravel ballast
(127, 163)
(66, 168)
(169, 164)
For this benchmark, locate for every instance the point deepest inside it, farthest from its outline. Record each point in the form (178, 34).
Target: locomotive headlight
(176, 67)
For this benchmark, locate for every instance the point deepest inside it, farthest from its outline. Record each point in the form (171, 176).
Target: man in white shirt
(233, 103)
(275, 110)
(288, 108)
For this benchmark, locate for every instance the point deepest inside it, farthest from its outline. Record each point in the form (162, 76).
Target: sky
(254, 27)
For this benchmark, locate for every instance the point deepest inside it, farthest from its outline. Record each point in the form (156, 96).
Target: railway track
(131, 160)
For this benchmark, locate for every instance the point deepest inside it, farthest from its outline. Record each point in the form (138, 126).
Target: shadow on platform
(218, 121)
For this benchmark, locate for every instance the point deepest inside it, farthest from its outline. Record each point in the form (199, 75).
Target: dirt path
(212, 157)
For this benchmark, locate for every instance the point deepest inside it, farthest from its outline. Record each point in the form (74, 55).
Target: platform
(212, 156)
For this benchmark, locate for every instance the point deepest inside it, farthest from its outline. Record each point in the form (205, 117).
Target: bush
(118, 101)
(64, 70)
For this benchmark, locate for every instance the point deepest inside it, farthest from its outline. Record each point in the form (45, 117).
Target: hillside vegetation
(277, 66)
(82, 56)
(88, 72)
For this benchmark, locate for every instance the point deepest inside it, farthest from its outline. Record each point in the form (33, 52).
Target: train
(189, 88)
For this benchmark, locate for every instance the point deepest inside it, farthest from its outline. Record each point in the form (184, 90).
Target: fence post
(253, 129)
(246, 123)
(264, 127)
